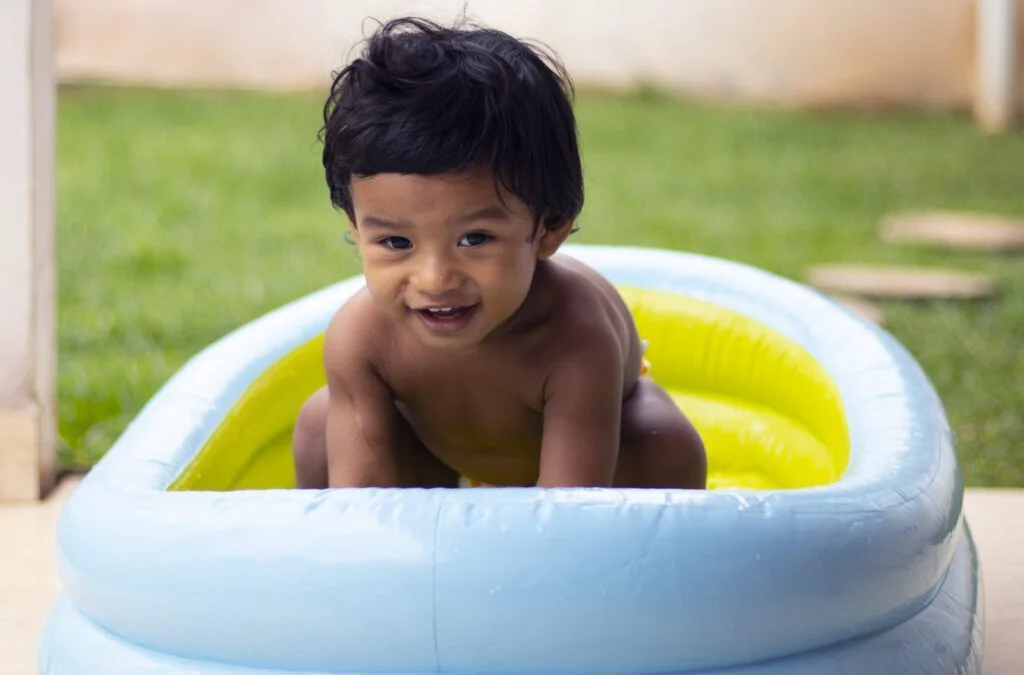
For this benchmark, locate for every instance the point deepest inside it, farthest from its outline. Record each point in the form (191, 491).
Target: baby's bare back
(482, 412)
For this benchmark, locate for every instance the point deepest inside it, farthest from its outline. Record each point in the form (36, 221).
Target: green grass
(184, 214)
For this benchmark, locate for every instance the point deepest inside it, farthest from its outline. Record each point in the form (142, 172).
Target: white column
(995, 88)
(27, 276)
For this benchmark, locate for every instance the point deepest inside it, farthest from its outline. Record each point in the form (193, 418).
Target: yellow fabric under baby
(645, 365)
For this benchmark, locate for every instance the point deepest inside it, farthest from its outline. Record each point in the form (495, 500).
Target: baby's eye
(474, 239)
(396, 243)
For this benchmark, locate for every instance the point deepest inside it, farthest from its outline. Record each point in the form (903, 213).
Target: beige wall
(811, 52)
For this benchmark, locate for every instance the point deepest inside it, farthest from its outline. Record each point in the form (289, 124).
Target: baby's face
(443, 255)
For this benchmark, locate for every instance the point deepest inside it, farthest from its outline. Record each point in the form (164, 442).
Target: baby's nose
(437, 277)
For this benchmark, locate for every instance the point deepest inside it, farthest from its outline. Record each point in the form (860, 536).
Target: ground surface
(183, 215)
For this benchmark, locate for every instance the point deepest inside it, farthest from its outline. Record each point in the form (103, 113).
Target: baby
(475, 352)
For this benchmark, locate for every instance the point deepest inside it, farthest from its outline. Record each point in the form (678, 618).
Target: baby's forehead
(473, 183)
(451, 198)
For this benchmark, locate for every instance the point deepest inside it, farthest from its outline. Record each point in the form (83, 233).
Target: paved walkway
(29, 582)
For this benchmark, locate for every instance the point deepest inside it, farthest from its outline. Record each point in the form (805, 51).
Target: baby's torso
(482, 413)
(483, 420)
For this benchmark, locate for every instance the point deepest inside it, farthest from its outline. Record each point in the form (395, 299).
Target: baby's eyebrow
(377, 221)
(492, 212)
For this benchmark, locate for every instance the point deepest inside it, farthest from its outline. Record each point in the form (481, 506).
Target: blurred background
(785, 134)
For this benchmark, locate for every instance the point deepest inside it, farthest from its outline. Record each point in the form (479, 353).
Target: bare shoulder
(595, 315)
(354, 334)
(589, 289)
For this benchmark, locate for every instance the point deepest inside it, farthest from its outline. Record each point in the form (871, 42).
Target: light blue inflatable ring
(873, 573)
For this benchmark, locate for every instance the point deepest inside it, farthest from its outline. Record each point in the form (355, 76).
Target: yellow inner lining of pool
(770, 415)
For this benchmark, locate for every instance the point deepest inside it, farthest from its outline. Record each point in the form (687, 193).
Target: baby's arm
(583, 416)
(360, 414)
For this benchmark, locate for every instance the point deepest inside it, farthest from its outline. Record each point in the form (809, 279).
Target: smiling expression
(447, 256)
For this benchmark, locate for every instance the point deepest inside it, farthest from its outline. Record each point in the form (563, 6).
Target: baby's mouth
(444, 312)
(447, 317)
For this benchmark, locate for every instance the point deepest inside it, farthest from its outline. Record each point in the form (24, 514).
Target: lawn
(184, 214)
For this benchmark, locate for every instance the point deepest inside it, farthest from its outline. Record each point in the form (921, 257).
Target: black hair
(427, 99)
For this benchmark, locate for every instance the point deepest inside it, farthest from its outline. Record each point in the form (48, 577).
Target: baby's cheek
(388, 296)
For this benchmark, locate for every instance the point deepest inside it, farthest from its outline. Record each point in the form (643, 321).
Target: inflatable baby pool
(831, 540)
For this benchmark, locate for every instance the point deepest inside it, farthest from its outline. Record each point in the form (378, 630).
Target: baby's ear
(552, 237)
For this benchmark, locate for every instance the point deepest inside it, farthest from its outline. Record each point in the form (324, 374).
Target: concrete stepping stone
(954, 231)
(907, 283)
